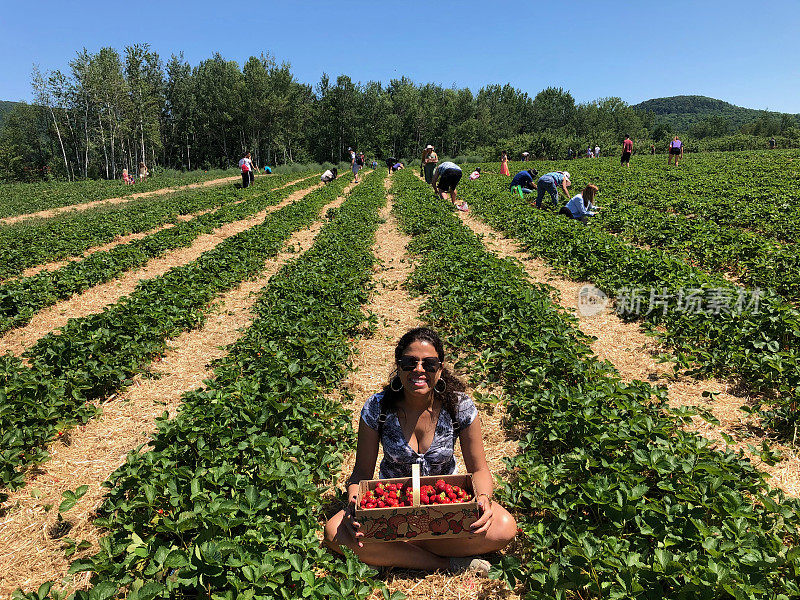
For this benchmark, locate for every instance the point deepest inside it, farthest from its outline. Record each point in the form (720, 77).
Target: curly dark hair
(449, 398)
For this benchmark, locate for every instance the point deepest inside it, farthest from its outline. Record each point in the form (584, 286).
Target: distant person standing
(429, 160)
(589, 153)
(445, 179)
(772, 143)
(143, 172)
(652, 149)
(570, 153)
(246, 165)
(549, 183)
(596, 151)
(374, 164)
(504, 164)
(355, 163)
(675, 149)
(627, 150)
(526, 156)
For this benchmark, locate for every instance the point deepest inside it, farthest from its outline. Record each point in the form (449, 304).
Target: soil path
(108, 201)
(633, 354)
(98, 297)
(397, 312)
(126, 239)
(28, 556)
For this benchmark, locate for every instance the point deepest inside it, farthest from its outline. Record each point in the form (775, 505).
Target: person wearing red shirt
(627, 150)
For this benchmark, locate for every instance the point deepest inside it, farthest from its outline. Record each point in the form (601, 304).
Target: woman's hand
(484, 522)
(351, 526)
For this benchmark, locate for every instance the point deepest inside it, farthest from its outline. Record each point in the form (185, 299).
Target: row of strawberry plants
(756, 261)
(21, 298)
(23, 198)
(96, 355)
(37, 241)
(714, 326)
(226, 503)
(614, 498)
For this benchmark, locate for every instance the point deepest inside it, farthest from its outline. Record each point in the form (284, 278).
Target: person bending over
(445, 179)
(417, 418)
(524, 179)
(549, 182)
(328, 175)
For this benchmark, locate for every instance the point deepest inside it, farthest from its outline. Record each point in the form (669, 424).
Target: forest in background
(112, 110)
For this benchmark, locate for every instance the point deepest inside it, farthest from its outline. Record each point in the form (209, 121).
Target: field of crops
(182, 378)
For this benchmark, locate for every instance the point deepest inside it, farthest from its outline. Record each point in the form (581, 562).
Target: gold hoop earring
(392, 386)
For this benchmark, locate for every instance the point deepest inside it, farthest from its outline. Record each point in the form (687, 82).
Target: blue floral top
(398, 455)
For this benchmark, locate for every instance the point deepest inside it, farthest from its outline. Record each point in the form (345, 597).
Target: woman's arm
(475, 457)
(366, 457)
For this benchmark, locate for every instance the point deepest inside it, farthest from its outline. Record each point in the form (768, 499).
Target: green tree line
(112, 110)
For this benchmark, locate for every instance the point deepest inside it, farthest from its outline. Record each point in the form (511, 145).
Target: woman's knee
(332, 529)
(505, 528)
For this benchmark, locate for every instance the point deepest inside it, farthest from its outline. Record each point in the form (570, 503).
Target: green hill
(5, 107)
(682, 112)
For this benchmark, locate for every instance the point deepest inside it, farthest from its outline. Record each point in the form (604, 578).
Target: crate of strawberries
(442, 507)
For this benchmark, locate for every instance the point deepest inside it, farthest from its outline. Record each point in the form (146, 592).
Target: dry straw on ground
(28, 555)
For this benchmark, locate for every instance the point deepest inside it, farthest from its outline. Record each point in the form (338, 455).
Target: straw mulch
(634, 355)
(95, 299)
(88, 454)
(398, 312)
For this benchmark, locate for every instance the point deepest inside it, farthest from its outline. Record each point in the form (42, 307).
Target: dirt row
(96, 298)
(126, 239)
(29, 555)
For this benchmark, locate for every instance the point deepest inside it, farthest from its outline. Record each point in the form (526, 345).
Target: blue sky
(741, 52)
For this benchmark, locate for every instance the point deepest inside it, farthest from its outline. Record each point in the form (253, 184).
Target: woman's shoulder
(372, 410)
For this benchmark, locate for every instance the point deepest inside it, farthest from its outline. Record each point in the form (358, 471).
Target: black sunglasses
(430, 364)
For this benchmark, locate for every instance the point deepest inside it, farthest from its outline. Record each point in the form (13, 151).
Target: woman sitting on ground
(417, 417)
(581, 207)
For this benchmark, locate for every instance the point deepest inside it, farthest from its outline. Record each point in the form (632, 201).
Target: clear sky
(742, 52)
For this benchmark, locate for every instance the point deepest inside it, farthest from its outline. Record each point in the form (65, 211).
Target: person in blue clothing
(267, 170)
(524, 179)
(549, 182)
(581, 207)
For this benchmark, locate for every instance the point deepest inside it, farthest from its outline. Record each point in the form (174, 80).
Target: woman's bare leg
(383, 554)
